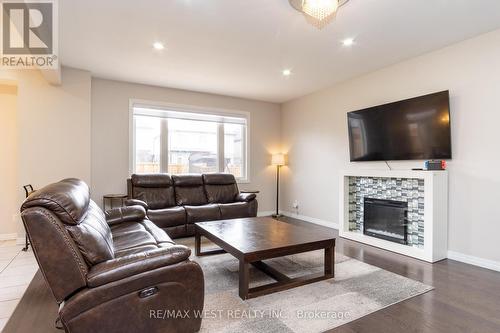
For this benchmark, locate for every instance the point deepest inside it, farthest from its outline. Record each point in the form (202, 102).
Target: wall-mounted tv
(413, 129)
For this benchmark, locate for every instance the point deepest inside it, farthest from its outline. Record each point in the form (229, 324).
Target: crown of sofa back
(155, 189)
(68, 232)
(189, 190)
(220, 187)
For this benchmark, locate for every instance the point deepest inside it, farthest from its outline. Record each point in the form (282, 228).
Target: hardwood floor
(465, 299)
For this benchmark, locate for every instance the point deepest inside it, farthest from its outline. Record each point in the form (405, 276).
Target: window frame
(190, 109)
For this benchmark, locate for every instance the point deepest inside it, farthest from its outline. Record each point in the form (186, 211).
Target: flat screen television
(413, 129)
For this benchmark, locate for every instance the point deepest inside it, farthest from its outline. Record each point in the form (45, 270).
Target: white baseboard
(266, 213)
(314, 220)
(4, 237)
(476, 261)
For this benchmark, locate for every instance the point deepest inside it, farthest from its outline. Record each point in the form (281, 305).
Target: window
(182, 141)
(147, 145)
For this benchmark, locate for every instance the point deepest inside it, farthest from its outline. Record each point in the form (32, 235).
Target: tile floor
(17, 269)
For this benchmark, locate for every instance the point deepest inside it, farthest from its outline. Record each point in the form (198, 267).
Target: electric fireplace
(386, 219)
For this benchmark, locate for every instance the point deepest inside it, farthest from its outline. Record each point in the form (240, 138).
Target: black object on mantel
(432, 166)
(435, 165)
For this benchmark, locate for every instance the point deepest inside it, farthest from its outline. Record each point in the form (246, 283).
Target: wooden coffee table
(252, 240)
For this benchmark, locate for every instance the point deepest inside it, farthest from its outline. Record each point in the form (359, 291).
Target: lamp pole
(277, 191)
(279, 161)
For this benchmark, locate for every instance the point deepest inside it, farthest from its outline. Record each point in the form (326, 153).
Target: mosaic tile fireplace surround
(398, 189)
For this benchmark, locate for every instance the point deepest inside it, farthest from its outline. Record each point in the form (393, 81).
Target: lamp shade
(278, 159)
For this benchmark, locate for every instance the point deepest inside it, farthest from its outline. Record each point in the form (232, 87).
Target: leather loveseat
(110, 272)
(174, 203)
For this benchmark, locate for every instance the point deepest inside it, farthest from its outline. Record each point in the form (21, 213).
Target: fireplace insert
(386, 219)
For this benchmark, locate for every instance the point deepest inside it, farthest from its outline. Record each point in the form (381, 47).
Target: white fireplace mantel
(435, 213)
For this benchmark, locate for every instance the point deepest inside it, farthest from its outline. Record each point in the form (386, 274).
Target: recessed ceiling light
(287, 72)
(348, 41)
(158, 46)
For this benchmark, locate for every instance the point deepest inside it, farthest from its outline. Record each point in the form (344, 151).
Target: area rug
(357, 290)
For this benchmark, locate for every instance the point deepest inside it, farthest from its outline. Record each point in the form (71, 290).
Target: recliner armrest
(246, 197)
(136, 202)
(133, 264)
(125, 214)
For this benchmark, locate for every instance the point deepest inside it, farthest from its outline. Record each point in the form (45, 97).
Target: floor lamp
(278, 160)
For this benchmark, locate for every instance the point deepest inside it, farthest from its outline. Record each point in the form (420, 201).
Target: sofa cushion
(133, 250)
(156, 190)
(235, 210)
(189, 190)
(126, 227)
(68, 199)
(168, 217)
(220, 187)
(204, 213)
(93, 236)
(129, 240)
(158, 234)
(136, 263)
(130, 235)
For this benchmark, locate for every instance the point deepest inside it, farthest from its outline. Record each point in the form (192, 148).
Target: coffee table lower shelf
(283, 282)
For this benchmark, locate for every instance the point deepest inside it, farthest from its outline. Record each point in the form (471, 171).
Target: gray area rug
(357, 290)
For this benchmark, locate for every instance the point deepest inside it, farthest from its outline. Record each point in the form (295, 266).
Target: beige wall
(110, 134)
(315, 134)
(8, 158)
(53, 128)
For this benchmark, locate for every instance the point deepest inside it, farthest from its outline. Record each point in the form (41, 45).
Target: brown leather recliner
(110, 273)
(174, 203)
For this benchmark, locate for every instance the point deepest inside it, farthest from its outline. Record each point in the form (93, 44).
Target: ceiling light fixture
(348, 42)
(158, 46)
(287, 72)
(318, 12)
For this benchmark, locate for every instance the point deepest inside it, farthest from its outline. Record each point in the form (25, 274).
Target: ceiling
(240, 47)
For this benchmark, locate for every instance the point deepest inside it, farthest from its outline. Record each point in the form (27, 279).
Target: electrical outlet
(295, 204)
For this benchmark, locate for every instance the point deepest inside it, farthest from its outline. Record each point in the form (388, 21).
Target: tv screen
(413, 129)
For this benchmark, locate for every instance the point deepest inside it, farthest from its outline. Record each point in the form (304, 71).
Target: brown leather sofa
(113, 272)
(174, 203)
